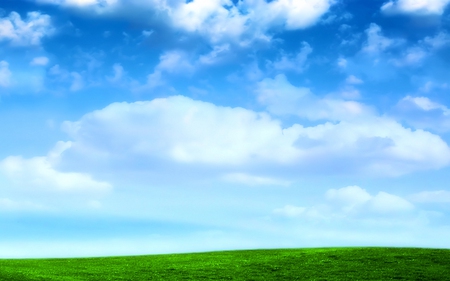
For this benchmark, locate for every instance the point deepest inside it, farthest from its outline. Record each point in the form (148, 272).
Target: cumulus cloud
(246, 179)
(423, 113)
(355, 199)
(172, 62)
(41, 61)
(25, 32)
(426, 104)
(64, 79)
(247, 20)
(431, 85)
(118, 73)
(415, 7)
(147, 33)
(175, 62)
(281, 98)
(376, 41)
(441, 39)
(99, 6)
(350, 202)
(379, 47)
(181, 132)
(411, 57)
(353, 80)
(385, 203)
(153, 80)
(77, 81)
(218, 20)
(438, 196)
(180, 128)
(39, 172)
(5, 74)
(379, 53)
(293, 14)
(7, 204)
(290, 211)
(342, 63)
(215, 55)
(348, 196)
(295, 63)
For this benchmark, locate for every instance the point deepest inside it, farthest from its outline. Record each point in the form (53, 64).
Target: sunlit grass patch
(279, 264)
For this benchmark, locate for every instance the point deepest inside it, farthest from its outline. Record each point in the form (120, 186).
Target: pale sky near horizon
(161, 126)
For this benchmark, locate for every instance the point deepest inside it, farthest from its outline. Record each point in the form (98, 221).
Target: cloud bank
(27, 32)
(217, 20)
(185, 133)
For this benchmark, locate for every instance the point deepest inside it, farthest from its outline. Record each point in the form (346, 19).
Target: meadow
(278, 264)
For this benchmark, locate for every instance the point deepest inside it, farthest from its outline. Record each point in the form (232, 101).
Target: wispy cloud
(26, 32)
(414, 7)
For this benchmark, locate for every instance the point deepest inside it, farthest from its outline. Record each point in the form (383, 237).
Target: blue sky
(157, 126)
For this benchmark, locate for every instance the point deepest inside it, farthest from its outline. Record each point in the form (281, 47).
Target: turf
(280, 264)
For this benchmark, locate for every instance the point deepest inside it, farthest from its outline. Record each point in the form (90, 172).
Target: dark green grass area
(280, 264)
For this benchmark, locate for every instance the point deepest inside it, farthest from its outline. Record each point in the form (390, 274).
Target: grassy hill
(280, 264)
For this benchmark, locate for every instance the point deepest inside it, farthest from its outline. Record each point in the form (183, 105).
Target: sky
(134, 127)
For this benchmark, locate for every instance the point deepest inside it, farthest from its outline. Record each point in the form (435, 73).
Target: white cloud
(84, 2)
(415, 55)
(98, 5)
(411, 57)
(438, 196)
(293, 14)
(147, 33)
(64, 79)
(351, 202)
(295, 63)
(118, 73)
(42, 61)
(376, 42)
(173, 62)
(218, 20)
(290, 211)
(281, 98)
(350, 93)
(38, 172)
(5, 74)
(350, 195)
(242, 178)
(426, 104)
(441, 39)
(423, 113)
(7, 204)
(378, 45)
(431, 85)
(353, 80)
(214, 56)
(342, 63)
(77, 82)
(415, 7)
(25, 32)
(379, 53)
(385, 203)
(359, 227)
(153, 80)
(57, 70)
(177, 130)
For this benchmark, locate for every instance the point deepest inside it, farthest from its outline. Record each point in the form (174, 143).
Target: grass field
(281, 264)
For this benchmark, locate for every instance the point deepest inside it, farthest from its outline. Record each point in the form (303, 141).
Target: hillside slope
(279, 264)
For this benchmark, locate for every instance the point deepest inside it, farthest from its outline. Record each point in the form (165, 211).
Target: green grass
(280, 264)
